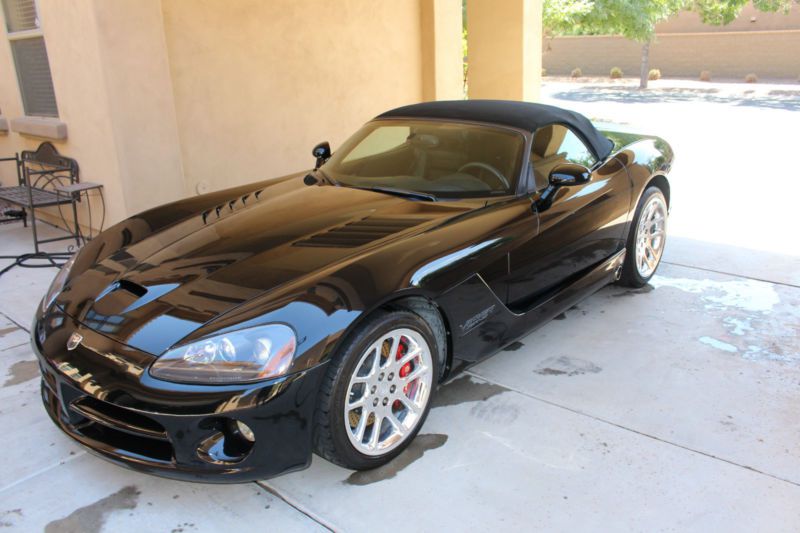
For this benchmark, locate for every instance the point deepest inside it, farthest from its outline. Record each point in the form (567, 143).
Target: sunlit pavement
(673, 407)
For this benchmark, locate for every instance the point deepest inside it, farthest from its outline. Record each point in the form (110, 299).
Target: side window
(575, 150)
(553, 145)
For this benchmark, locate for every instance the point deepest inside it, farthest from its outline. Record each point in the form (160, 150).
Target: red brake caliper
(404, 371)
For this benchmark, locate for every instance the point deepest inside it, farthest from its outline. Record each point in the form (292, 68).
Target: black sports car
(228, 336)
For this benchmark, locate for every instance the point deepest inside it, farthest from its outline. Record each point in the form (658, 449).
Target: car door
(580, 227)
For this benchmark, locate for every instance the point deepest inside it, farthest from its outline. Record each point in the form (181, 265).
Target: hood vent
(360, 232)
(215, 213)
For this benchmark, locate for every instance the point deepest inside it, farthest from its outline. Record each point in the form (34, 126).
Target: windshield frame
(518, 187)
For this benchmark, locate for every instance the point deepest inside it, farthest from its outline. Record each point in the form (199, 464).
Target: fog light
(245, 431)
(231, 442)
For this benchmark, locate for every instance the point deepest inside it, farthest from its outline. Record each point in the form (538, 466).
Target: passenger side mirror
(321, 152)
(567, 174)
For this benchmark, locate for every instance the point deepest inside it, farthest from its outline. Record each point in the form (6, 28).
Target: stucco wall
(768, 54)
(80, 95)
(166, 98)
(159, 96)
(140, 101)
(112, 84)
(257, 84)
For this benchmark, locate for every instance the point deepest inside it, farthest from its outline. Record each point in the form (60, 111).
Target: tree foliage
(562, 16)
(719, 13)
(633, 19)
(637, 19)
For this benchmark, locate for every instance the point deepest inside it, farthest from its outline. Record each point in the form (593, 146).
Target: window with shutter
(30, 57)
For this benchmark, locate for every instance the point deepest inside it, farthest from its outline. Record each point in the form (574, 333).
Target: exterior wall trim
(47, 127)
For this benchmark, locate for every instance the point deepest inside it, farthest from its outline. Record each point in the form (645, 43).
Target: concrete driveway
(673, 407)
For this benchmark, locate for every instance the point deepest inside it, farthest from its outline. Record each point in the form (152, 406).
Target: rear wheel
(377, 392)
(646, 239)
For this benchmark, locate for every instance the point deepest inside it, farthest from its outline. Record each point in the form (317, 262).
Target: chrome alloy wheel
(651, 235)
(388, 391)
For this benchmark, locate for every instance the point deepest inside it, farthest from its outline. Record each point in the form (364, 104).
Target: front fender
(325, 306)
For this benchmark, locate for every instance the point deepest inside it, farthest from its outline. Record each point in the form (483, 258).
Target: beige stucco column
(505, 49)
(133, 55)
(442, 58)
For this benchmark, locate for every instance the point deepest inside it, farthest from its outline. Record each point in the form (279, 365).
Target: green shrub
(751, 78)
(654, 74)
(705, 75)
(576, 73)
(616, 73)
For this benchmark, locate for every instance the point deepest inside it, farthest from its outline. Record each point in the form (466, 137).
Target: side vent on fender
(360, 232)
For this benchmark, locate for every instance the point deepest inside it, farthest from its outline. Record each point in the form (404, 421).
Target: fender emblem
(476, 320)
(74, 340)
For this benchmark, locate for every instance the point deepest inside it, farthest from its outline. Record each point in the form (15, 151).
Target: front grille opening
(146, 448)
(110, 427)
(118, 418)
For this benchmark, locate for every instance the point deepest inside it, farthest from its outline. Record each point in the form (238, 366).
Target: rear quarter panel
(647, 158)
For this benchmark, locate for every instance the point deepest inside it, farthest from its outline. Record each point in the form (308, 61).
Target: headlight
(246, 355)
(58, 283)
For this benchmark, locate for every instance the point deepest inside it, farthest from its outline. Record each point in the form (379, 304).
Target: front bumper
(102, 395)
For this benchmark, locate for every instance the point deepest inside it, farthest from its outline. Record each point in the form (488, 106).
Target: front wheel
(377, 392)
(646, 239)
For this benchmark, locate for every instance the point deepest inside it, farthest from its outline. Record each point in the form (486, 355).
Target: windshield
(447, 160)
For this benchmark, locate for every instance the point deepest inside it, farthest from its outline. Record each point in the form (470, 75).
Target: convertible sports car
(228, 336)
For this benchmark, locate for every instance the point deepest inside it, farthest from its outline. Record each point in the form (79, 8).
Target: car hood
(151, 294)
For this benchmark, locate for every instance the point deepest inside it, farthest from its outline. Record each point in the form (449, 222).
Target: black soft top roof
(522, 115)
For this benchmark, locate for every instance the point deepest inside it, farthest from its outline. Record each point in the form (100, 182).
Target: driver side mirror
(567, 174)
(321, 152)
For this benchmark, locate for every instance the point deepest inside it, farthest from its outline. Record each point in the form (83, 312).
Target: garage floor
(673, 407)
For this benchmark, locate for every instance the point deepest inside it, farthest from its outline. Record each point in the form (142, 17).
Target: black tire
(630, 274)
(330, 438)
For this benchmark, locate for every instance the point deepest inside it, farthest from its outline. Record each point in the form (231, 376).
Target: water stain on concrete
(513, 347)
(562, 316)
(92, 517)
(718, 344)
(746, 295)
(7, 514)
(6, 331)
(465, 389)
(728, 423)
(415, 450)
(495, 412)
(633, 292)
(566, 366)
(771, 352)
(22, 371)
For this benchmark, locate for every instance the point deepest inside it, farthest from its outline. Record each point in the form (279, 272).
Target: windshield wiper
(398, 192)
